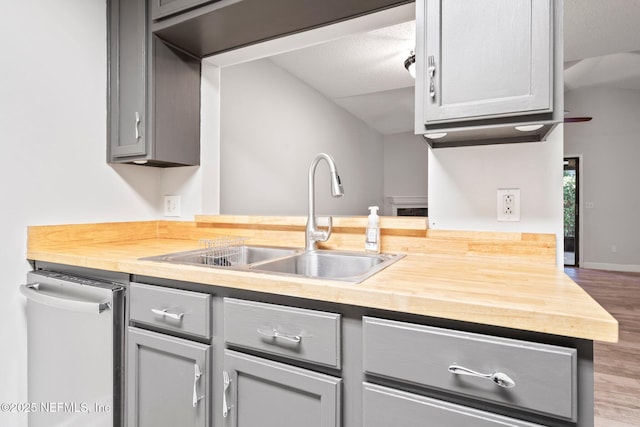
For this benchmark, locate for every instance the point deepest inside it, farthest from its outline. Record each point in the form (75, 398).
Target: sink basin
(320, 264)
(235, 256)
(347, 266)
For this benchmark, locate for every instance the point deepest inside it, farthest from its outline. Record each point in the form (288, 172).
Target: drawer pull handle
(163, 312)
(431, 68)
(138, 121)
(499, 378)
(225, 406)
(279, 335)
(197, 374)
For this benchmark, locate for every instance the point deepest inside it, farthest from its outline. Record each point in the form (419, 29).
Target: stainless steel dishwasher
(75, 350)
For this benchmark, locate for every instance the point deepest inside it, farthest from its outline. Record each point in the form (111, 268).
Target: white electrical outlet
(171, 205)
(508, 204)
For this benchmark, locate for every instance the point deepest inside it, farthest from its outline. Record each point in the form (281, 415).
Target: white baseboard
(633, 268)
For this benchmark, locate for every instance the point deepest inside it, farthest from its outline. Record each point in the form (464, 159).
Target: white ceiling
(600, 27)
(602, 44)
(364, 73)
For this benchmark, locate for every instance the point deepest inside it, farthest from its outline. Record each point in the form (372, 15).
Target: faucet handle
(329, 228)
(323, 235)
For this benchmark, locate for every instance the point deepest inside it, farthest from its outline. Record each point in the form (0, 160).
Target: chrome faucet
(312, 233)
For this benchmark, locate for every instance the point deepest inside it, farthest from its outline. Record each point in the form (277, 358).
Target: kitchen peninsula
(452, 290)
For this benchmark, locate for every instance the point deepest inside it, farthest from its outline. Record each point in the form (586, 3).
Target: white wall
(405, 167)
(610, 149)
(53, 139)
(272, 127)
(463, 183)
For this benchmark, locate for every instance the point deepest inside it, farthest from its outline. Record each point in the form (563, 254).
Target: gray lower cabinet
(262, 392)
(520, 374)
(384, 407)
(276, 365)
(300, 334)
(172, 310)
(167, 381)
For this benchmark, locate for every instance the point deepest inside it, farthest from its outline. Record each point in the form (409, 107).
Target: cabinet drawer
(171, 309)
(383, 407)
(301, 334)
(545, 376)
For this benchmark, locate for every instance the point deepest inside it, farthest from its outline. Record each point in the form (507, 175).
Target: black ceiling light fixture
(410, 64)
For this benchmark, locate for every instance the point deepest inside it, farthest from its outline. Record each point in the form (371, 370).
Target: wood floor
(617, 366)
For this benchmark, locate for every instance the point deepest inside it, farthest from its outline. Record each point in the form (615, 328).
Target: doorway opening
(571, 193)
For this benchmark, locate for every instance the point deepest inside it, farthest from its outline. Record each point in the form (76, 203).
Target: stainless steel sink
(320, 264)
(335, 265)
(236, 256)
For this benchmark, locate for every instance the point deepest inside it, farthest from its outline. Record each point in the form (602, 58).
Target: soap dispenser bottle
(372, 241)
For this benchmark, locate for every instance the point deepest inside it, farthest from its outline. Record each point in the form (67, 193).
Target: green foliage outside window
(569, 204)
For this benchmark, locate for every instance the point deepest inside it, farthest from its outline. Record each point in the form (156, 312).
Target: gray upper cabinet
(154, 93)
(485, 67)
(490, 58)
(163, 8)
(262, 393)
(168, 381)
(127, 78)
(174, 101)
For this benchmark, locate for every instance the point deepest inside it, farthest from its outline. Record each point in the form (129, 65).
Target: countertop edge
(602, 328)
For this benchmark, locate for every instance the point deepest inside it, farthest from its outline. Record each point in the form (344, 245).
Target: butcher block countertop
(500, 279)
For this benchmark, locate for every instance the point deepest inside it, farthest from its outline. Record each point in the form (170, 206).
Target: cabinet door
(384, 407)
(127, 78)
(162, 8)
(266, 393)
(168, 381)
(490, 59)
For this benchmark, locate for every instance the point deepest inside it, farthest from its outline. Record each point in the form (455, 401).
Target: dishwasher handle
(31, 291)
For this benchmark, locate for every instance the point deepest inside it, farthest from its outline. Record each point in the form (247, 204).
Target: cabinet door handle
(499, 378)
(196, 377)
(431, 69)
(165, 313)
(274, 333)
(137, 125)
(225, 406)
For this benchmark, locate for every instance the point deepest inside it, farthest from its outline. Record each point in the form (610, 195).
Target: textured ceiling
(355, 65)
(600, 27)
(364, 73)
(602, 43)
